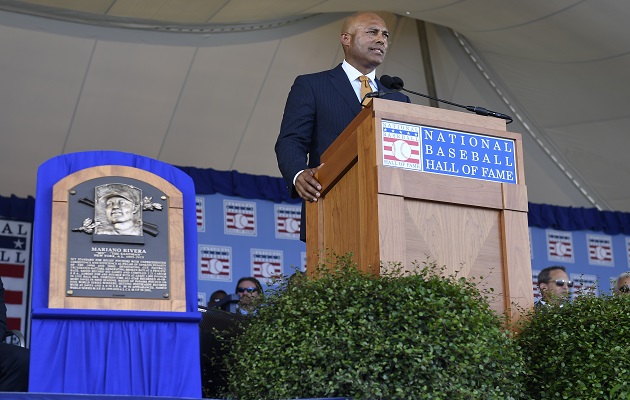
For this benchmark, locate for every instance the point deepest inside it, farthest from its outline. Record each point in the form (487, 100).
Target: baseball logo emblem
(401, 150)
(291, 225)
(240, 221)
(561, 249)
(216, 266)
(268, 270)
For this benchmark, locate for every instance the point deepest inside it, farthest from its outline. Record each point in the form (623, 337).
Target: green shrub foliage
(579, 351)
(395, 336)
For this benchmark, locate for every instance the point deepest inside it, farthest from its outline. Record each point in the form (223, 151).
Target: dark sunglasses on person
(624, 289)
(246, 289)
(561, 282)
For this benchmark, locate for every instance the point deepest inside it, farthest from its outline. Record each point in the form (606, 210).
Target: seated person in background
(623, 284)
(555, 286)
(248, 289)
(14, 360)
(216, 297)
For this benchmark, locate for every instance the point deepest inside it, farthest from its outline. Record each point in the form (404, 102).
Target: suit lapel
(339, 80)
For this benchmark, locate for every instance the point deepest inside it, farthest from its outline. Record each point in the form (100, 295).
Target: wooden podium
(474, 227)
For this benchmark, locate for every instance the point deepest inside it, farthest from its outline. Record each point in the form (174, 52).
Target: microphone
(395, 83)
(377, 94)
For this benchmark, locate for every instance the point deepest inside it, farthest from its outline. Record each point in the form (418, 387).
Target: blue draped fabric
(112, 356)
(578, 219)
(233, 183)
(17, 208)
(113, 351)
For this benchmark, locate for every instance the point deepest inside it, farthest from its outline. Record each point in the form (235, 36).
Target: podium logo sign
(447, 152)
(401, 145)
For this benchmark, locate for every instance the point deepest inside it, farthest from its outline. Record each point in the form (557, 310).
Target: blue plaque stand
(112, 352)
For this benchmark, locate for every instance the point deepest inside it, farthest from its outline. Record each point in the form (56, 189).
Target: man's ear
(345, 39)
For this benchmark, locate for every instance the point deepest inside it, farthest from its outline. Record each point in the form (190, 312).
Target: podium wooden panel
(475, 228)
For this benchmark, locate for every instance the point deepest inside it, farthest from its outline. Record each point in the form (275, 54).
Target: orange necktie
(365, 86)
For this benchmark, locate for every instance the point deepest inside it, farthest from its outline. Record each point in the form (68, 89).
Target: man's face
(247, 290)
(552, 292)
(119, 209)
(366, 42)
(623, 286)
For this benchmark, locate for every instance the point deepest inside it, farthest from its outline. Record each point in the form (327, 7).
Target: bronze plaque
(117, 240)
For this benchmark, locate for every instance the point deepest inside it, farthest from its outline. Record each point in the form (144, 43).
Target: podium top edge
(410, 111)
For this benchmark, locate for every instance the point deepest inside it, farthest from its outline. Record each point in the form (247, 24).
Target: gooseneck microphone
(377, 94)
(395, 83)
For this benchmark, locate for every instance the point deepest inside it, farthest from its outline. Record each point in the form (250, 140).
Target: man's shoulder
(321, 74)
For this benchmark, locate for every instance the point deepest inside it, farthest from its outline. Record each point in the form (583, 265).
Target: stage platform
(66, 396)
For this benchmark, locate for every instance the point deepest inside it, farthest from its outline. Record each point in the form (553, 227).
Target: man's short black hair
(545, 274)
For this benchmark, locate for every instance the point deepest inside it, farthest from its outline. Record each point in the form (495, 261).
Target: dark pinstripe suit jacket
(318, 109)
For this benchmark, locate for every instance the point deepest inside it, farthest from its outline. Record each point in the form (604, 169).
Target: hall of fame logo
(583, 284)
(200, 213)
(215, 263)
(266, 264)
(287, 221)
(239, 217)
(600, 250)
(535, 287)
(401, 146)
(560, 246)
(201, 299)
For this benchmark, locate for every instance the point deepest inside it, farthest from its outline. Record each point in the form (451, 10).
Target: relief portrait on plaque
(118, 210)
(118, 214)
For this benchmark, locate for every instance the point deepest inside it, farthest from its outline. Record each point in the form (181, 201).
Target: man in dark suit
(14, 360)
(322, 104)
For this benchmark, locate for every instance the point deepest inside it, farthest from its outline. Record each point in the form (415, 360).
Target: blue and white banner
(447, 152)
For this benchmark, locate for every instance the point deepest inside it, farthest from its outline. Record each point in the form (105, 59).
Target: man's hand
(307, 186)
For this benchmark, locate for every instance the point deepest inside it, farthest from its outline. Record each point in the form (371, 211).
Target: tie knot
(365, 87)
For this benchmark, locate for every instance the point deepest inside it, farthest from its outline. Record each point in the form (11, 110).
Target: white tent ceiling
(203, 82)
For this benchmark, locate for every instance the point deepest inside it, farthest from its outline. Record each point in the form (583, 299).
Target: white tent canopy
(203, 83)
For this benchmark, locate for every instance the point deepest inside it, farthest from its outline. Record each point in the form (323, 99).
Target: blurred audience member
(623, 284)
(555, 286)
(249, 290)
(216, 297)
(14, 360)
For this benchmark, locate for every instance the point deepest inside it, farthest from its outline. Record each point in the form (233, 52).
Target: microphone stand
(476, 109)
(395, 83)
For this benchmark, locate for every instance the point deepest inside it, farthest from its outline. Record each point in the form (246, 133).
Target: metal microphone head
(388, 82)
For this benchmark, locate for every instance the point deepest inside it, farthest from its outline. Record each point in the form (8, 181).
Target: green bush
(579, 351)
(396, 336)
